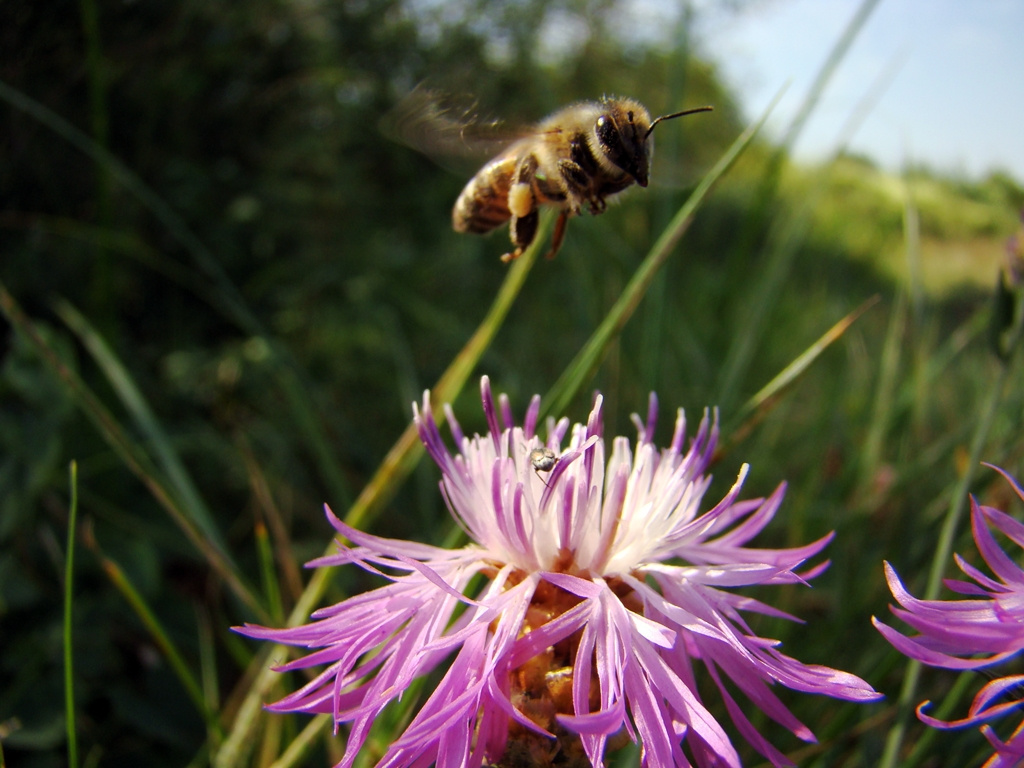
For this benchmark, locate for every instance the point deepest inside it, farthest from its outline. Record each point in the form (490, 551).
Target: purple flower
(580, 615)
(953, 633)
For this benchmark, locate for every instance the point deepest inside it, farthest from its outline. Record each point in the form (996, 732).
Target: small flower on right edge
(977, 632)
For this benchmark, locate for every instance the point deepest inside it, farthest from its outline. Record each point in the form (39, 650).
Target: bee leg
(559, 234)
(575, 178)
(523, 207)
(522, 230)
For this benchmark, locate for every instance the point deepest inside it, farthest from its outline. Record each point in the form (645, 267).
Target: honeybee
(571, 160)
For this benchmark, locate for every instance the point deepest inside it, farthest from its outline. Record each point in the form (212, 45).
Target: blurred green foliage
(257, 125)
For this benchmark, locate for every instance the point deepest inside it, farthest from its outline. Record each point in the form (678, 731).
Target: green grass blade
(828, 69)
(941, 359)
(278, 730)
(69, 591)
(586, 362)
(945, 711)
(300, 746)
(762, 403)
(100, 124)
(229, 301)
(269, 515)
(126, 449)
(268, 574)
(161, 639)
(208, 671)
(156, 437)
(786, 240)
(882, 411)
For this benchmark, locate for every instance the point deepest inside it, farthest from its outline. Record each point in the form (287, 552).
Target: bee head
(623, 134)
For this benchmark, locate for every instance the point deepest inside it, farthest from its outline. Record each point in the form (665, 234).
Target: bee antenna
(677, 114)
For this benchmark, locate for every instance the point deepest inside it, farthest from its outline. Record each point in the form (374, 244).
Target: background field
(247, 284)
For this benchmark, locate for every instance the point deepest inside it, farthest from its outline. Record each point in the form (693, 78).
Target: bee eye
(623, 147)
(610, 141)
(629, 115)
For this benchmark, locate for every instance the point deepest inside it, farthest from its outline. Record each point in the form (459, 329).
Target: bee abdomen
(479, 210)
(483, 204)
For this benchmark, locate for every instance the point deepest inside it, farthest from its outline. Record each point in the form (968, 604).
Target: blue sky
(953, 75)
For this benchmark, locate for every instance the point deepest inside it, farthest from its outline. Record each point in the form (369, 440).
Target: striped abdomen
(483, 204)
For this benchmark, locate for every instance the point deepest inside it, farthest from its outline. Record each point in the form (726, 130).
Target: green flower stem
(922, 744)
(299, 747)
(69, 581)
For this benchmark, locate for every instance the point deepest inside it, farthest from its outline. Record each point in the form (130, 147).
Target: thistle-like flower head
(600, 592)
(978, 632)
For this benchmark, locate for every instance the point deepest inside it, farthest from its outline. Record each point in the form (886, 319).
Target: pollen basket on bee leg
(520, 199)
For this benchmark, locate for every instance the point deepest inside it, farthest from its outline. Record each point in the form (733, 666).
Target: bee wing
(446, 129)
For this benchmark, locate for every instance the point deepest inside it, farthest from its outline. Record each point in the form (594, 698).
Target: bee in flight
(572, 160)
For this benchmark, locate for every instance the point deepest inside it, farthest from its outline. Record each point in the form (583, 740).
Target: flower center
(542, 688)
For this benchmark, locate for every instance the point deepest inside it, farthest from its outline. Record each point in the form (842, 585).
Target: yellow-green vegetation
(955, 230)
